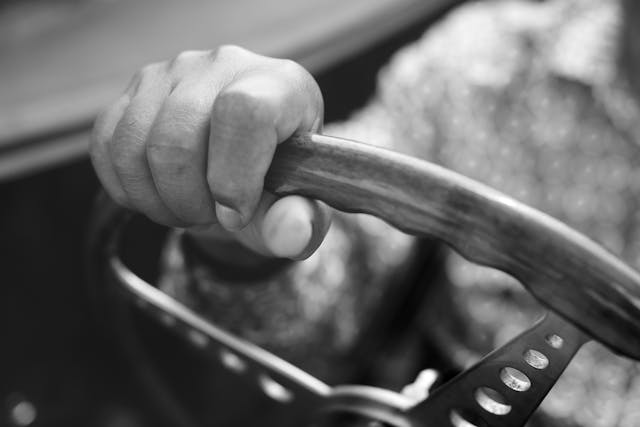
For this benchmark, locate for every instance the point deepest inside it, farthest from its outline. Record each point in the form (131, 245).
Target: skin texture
(189, 142)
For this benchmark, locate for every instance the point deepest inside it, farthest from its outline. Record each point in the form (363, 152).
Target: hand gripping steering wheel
(590, 292)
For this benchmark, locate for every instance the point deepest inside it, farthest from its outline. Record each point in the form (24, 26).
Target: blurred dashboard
(63, 60)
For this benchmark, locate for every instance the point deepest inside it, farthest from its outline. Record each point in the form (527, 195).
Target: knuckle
(292, 68)
(297, 73)
(152, 70)
(188, 56)
(305, 80)
(146, 76)
(228, 51)
(184, 59)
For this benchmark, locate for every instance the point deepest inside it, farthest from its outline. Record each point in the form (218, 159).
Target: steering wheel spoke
(506, 386)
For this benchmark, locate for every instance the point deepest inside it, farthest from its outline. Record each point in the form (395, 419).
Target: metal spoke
(507, 385)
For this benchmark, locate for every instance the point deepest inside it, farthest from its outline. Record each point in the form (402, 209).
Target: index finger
(250, 117)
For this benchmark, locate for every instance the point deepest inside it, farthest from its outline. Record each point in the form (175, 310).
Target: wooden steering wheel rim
(563, 269)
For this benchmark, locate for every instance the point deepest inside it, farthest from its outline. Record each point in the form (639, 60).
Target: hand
(189, 142)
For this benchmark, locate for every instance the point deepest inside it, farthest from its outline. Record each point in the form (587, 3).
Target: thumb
(290, 227)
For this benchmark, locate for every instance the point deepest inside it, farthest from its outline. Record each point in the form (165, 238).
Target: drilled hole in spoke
(492, 401)
(535, 359)
(274, 390)
(515, 379)
(232, 362)
(464, 419)
(554, 340)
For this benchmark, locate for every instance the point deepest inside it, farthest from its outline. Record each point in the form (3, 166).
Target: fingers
(128, 145)
(250, 117)
(191, 140)
(290, 227)
(177, 152)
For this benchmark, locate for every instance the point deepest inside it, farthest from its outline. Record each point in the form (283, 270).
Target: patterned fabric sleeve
(526, 98)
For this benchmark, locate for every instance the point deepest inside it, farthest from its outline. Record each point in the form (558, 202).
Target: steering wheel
(590, 293)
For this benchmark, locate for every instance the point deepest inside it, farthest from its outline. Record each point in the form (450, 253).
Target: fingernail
(290, 236)
(229, 218)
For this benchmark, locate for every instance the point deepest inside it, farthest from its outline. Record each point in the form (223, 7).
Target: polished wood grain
(562, 268)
